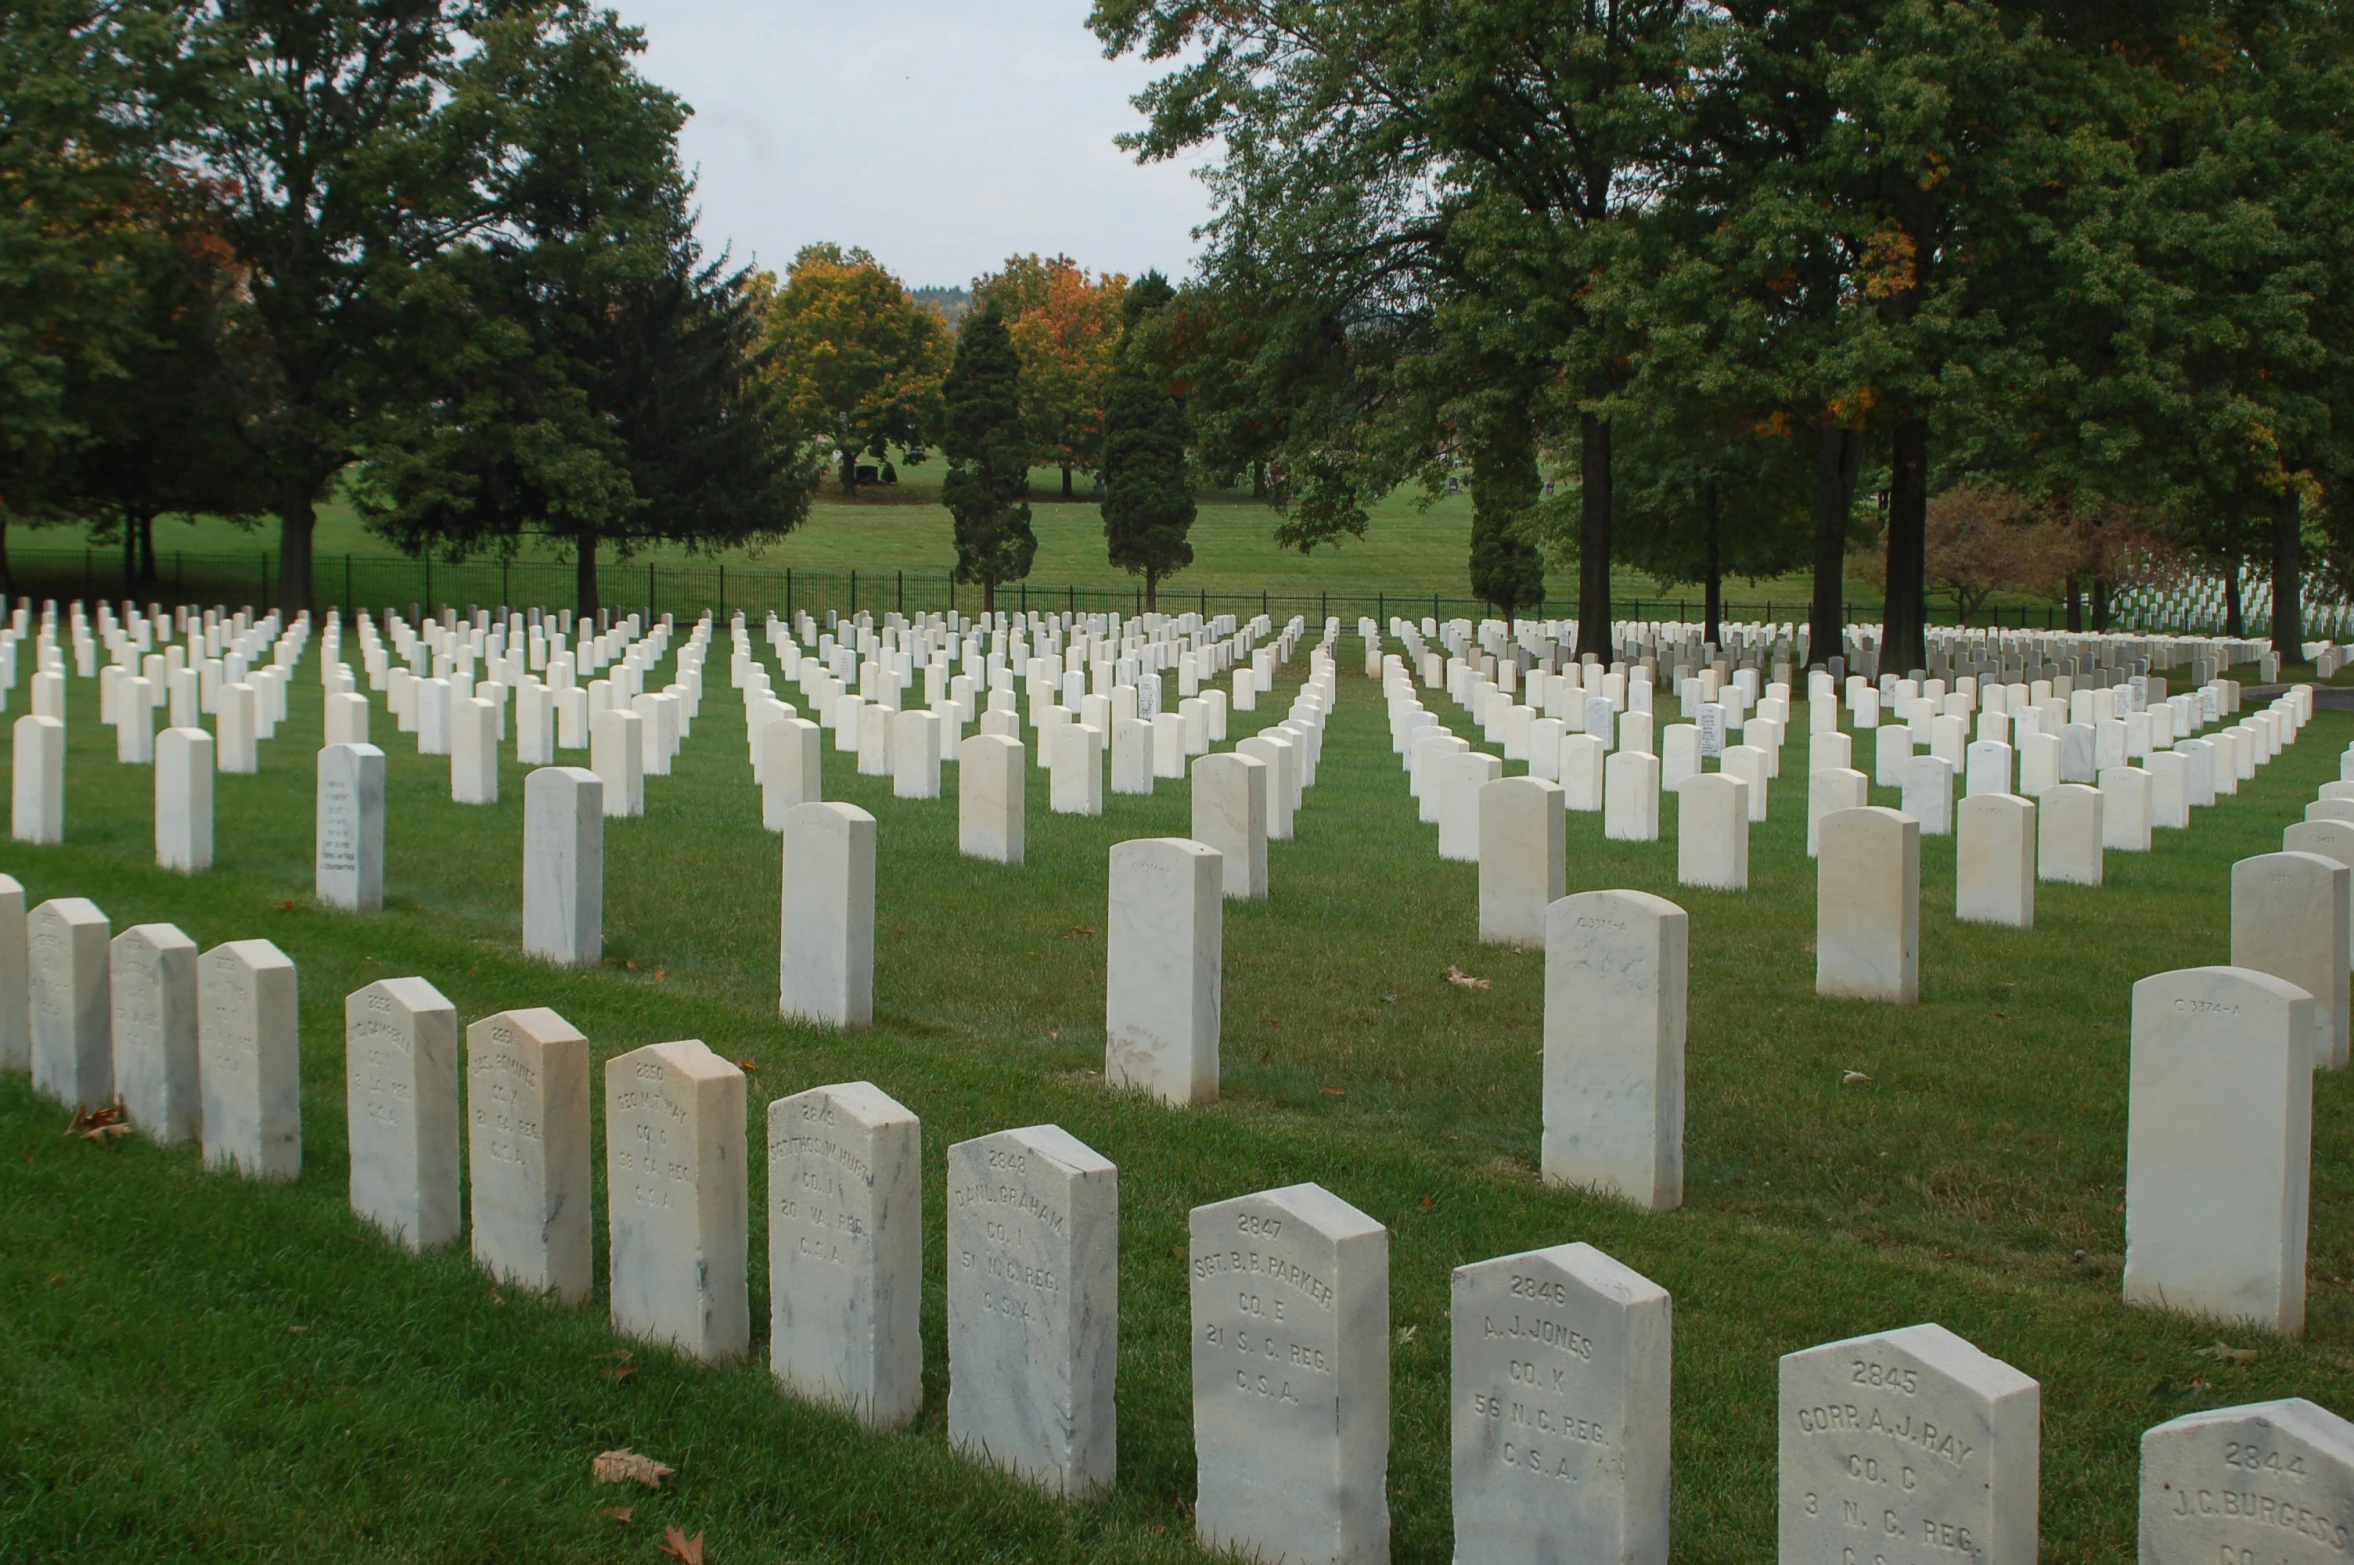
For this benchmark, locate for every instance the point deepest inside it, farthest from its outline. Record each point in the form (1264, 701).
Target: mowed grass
(200, 1367)
(1413, 545)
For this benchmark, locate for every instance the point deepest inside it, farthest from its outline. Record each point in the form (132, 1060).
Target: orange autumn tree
(1066, 331)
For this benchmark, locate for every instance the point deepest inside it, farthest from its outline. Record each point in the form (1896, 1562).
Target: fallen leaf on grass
(2228, 1354)
(1855, 1079)
(1334, 1092)
(99, 1124)
(628, 1467)
(298, 1331)
(679, 1546)
(1054, 1035)
(1463, 980)
(1077, 932)
(748, 1065)
(1406, 1334)
(620, 1374)
(620, 1513)
(661, 975)
(286, 907)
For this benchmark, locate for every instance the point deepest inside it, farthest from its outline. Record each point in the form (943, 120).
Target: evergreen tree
(988, 451)
(1147, 501)
(586, 375)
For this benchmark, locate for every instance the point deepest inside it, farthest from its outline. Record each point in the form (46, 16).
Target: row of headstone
(196, 1047)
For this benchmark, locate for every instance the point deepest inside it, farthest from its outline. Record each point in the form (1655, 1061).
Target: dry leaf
(286, 907)
(679, 1546)
(1077, 931)
(748, 1065)
(1463, 980)
(619, 1513)
(621, 1373)
(628, 1467)
(1054, 1035)
(1334, 1092)
(1855, 1079)
(298, 1331)
(661, 973)
(2229, 1355)
(99, 1124)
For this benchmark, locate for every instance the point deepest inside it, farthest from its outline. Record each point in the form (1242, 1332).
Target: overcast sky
(943, 135)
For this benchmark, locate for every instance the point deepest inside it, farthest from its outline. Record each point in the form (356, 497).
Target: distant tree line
(1752, 283)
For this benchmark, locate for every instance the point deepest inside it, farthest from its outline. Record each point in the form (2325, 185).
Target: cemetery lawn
(199, 1367)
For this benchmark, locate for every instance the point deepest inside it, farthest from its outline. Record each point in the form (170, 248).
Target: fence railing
(359, 581)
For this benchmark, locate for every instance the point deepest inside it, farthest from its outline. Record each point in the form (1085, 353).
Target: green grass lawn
(1411, 546)
(200, 1367)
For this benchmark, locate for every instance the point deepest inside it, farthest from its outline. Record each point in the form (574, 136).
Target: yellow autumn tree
(1066, 331)
(856, 359)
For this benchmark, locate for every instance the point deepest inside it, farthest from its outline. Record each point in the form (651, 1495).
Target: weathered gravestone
(1523, 846)
(991, 795)
(1994, 860)
(16, 997)
(826, 949)
(1034, 1306)
(2218, 1146)
(2068, 835)
(249, 1059)
(2290, 918)
(675, 1199)
(528, 1155)
(37, 804)
(1230, 815)
(1712, 832)
(400, 1041)
(2268, 1483)
(348, 871)
(184, 799)
(1630, 797)
(67, 941)
(1868, 906)
(1560, 1396)
(1291, 1377)
(1163, 986)
(845, 1251)
(1908, 1445)
(564, 865)
(1615, 1015)
(152, 973)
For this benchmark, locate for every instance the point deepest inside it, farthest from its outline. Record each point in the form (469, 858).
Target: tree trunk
(1712, 587)
(1905, 619)
(2288, 577)
(584, 571)
(2100, 604)
(130, 554)
(2076, 606)
(1258, 480)
(1066, 480)
(1835, 460)
(1152, 588)
(298, 518)
(988, 597)
(147, 547)
(849, 474)
(2235, 620)
(1594, 537)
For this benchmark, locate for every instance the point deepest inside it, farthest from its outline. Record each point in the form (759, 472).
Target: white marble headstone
(845, 1251)
(1560, 1394)
(528, 1151)
(1911, 1445)
(400, 1041)
(2268, 1483)
(1615, 1010)
(67, 942)
(1034, 1307)
(1291, 1376)
(675, 1199)
(152, 971)
(249, 1059)
(349, 867)
(1163, 984)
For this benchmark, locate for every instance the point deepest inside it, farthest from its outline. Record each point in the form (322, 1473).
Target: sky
(942, 135)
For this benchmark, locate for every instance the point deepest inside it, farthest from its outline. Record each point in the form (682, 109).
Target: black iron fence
(358, 581)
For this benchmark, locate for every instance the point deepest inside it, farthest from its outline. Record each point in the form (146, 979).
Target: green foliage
(988, 452)
(1147, 498)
